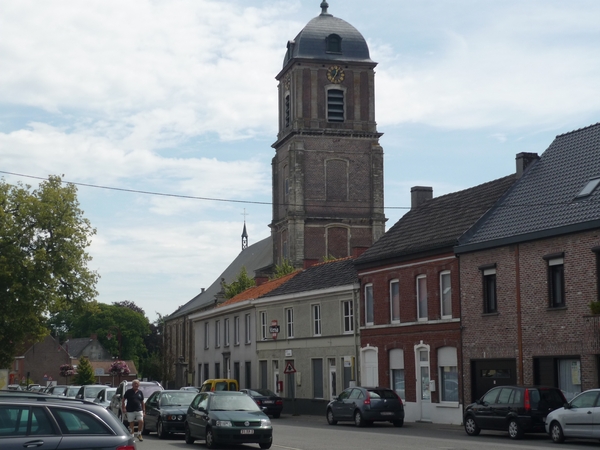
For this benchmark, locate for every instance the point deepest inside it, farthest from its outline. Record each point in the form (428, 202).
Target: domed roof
(321, 39)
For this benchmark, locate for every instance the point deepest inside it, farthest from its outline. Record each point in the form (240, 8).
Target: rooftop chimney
(420, 194)
(524, 160)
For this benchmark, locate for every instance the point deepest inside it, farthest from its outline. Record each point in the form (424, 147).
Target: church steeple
(328, 166)
(244, 234)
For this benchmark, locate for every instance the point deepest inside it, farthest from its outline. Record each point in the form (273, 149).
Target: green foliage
(329, 258)
(85, 373)
(240, 284)
(43, 262)
(283, 269)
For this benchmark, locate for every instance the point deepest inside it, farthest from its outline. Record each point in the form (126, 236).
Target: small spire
(324, 6)
(244, 233)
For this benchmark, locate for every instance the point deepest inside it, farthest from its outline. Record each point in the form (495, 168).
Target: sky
(164, 112)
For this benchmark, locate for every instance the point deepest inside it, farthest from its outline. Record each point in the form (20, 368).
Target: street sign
(274, 328)
(289, 368)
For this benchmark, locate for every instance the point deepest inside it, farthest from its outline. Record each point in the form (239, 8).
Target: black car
(516, 409)
(227, 417)
(31, 420)
(165, 412)
(268, 401)
(365, 405)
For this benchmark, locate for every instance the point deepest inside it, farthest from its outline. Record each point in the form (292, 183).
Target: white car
(576, 419)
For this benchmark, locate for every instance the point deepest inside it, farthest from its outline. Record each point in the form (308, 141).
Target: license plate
(387, 413)
(268, 402)
(247, 431)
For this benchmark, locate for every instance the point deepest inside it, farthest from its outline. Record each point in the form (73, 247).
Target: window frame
(369, 304)
(236, 330)
(422, 304)
(394, 301)
(556, 280)
(289, 322)
(489, 281)
(217, 333)
(347, 316)
(226, 332)
(206, 335)
(248, 336)
(316, 316)
(448, 274)
(263, 325)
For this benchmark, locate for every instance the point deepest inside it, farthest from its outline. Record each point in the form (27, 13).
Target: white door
(370, 368)
(423, 383)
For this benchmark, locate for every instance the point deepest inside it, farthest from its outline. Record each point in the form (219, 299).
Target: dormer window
(589, 188)
(334, 43)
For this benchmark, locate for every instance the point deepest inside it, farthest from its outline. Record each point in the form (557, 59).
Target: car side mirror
(336, 398)
(567, 406)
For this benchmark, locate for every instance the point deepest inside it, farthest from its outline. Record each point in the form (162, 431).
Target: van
(219, 384)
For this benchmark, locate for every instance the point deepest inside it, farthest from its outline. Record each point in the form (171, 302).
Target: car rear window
(78, 422)
(382, 393)
(552, 398)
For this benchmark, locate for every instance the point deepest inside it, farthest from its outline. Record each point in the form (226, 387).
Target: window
(236, 330)
(263, 325)
(556, 280)
(369, 304)
(422, 297)
(289, 322)
(217, 370)
(226, 332)
(448, 369)
(206, 370)
(348, 314)
(589, 187)
(397, 372)
(79, 422)
(445, 295)
(317, 373)
(287, 110)
(395, 301)
(490, 304)
(217, 334)
(248, 370)
(206, 335)
(248, 335)
(316, 320)
(597, 251)
(335, 105)
(334, 43)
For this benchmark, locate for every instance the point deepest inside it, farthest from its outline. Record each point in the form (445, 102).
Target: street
(313, 433)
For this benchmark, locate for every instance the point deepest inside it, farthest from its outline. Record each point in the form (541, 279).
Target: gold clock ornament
(335, 74)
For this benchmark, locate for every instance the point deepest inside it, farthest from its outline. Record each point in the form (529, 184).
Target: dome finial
(324, 6)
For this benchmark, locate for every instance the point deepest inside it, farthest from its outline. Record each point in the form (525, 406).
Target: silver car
(577, 419)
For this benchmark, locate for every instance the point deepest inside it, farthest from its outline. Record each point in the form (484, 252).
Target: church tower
(328, 165)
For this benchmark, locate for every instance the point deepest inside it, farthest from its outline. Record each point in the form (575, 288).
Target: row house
(529, 272)
(225, 337)
(410, 329)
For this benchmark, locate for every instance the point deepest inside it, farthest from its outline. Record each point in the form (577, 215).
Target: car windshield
(265, 392)
(92, 392)
(72, 391)
(233, 403)
(59, 390)
(177, 399)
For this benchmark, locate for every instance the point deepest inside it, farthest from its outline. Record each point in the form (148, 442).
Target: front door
(423, 383)
(332, 379)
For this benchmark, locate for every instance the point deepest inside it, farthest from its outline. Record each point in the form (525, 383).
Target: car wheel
(265, 445)
(556, 433)
(276, 415)
(515, 431)
(188, 437)
(358, 419)
(160, 430)
(398, 423)
(471, 427)
(210, 439)
(330, 419)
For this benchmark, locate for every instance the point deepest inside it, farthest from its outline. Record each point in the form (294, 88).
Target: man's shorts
(135, 416)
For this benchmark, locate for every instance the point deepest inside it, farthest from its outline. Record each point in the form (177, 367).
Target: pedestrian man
(136, 409)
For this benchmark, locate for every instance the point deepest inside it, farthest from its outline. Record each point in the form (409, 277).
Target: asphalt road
(313, 433)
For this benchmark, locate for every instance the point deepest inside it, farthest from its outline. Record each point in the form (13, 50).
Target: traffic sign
(289, 368)
(274, 328)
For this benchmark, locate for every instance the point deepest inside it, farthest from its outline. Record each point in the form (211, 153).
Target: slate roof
(436, 224)
(311, 41)
(256, 256)
(326, 275)
(543, 202)
(76, 346)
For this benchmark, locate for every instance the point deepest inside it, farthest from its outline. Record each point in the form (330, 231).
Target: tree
(43, 262)
(283, 269)
(240, 284)
(131, 305)
(85, 373)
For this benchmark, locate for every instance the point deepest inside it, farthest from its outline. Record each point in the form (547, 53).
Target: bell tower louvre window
(287, 110)
(335, 105)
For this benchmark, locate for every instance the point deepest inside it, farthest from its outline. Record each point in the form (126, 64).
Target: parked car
(14, 387)
(147, 388)
(267, 400)
(57, 389)
(365, 405)
(72, 391)
(89, 391)
(166, 410)
(219, 384)
(190, 388)
(30, 419)
(104, 396)
(227, 417)
(577, 419)
(516, 409)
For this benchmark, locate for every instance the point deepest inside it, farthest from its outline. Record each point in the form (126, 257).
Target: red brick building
(528, 273)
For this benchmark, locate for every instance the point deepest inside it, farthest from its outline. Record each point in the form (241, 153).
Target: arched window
(334, 43)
